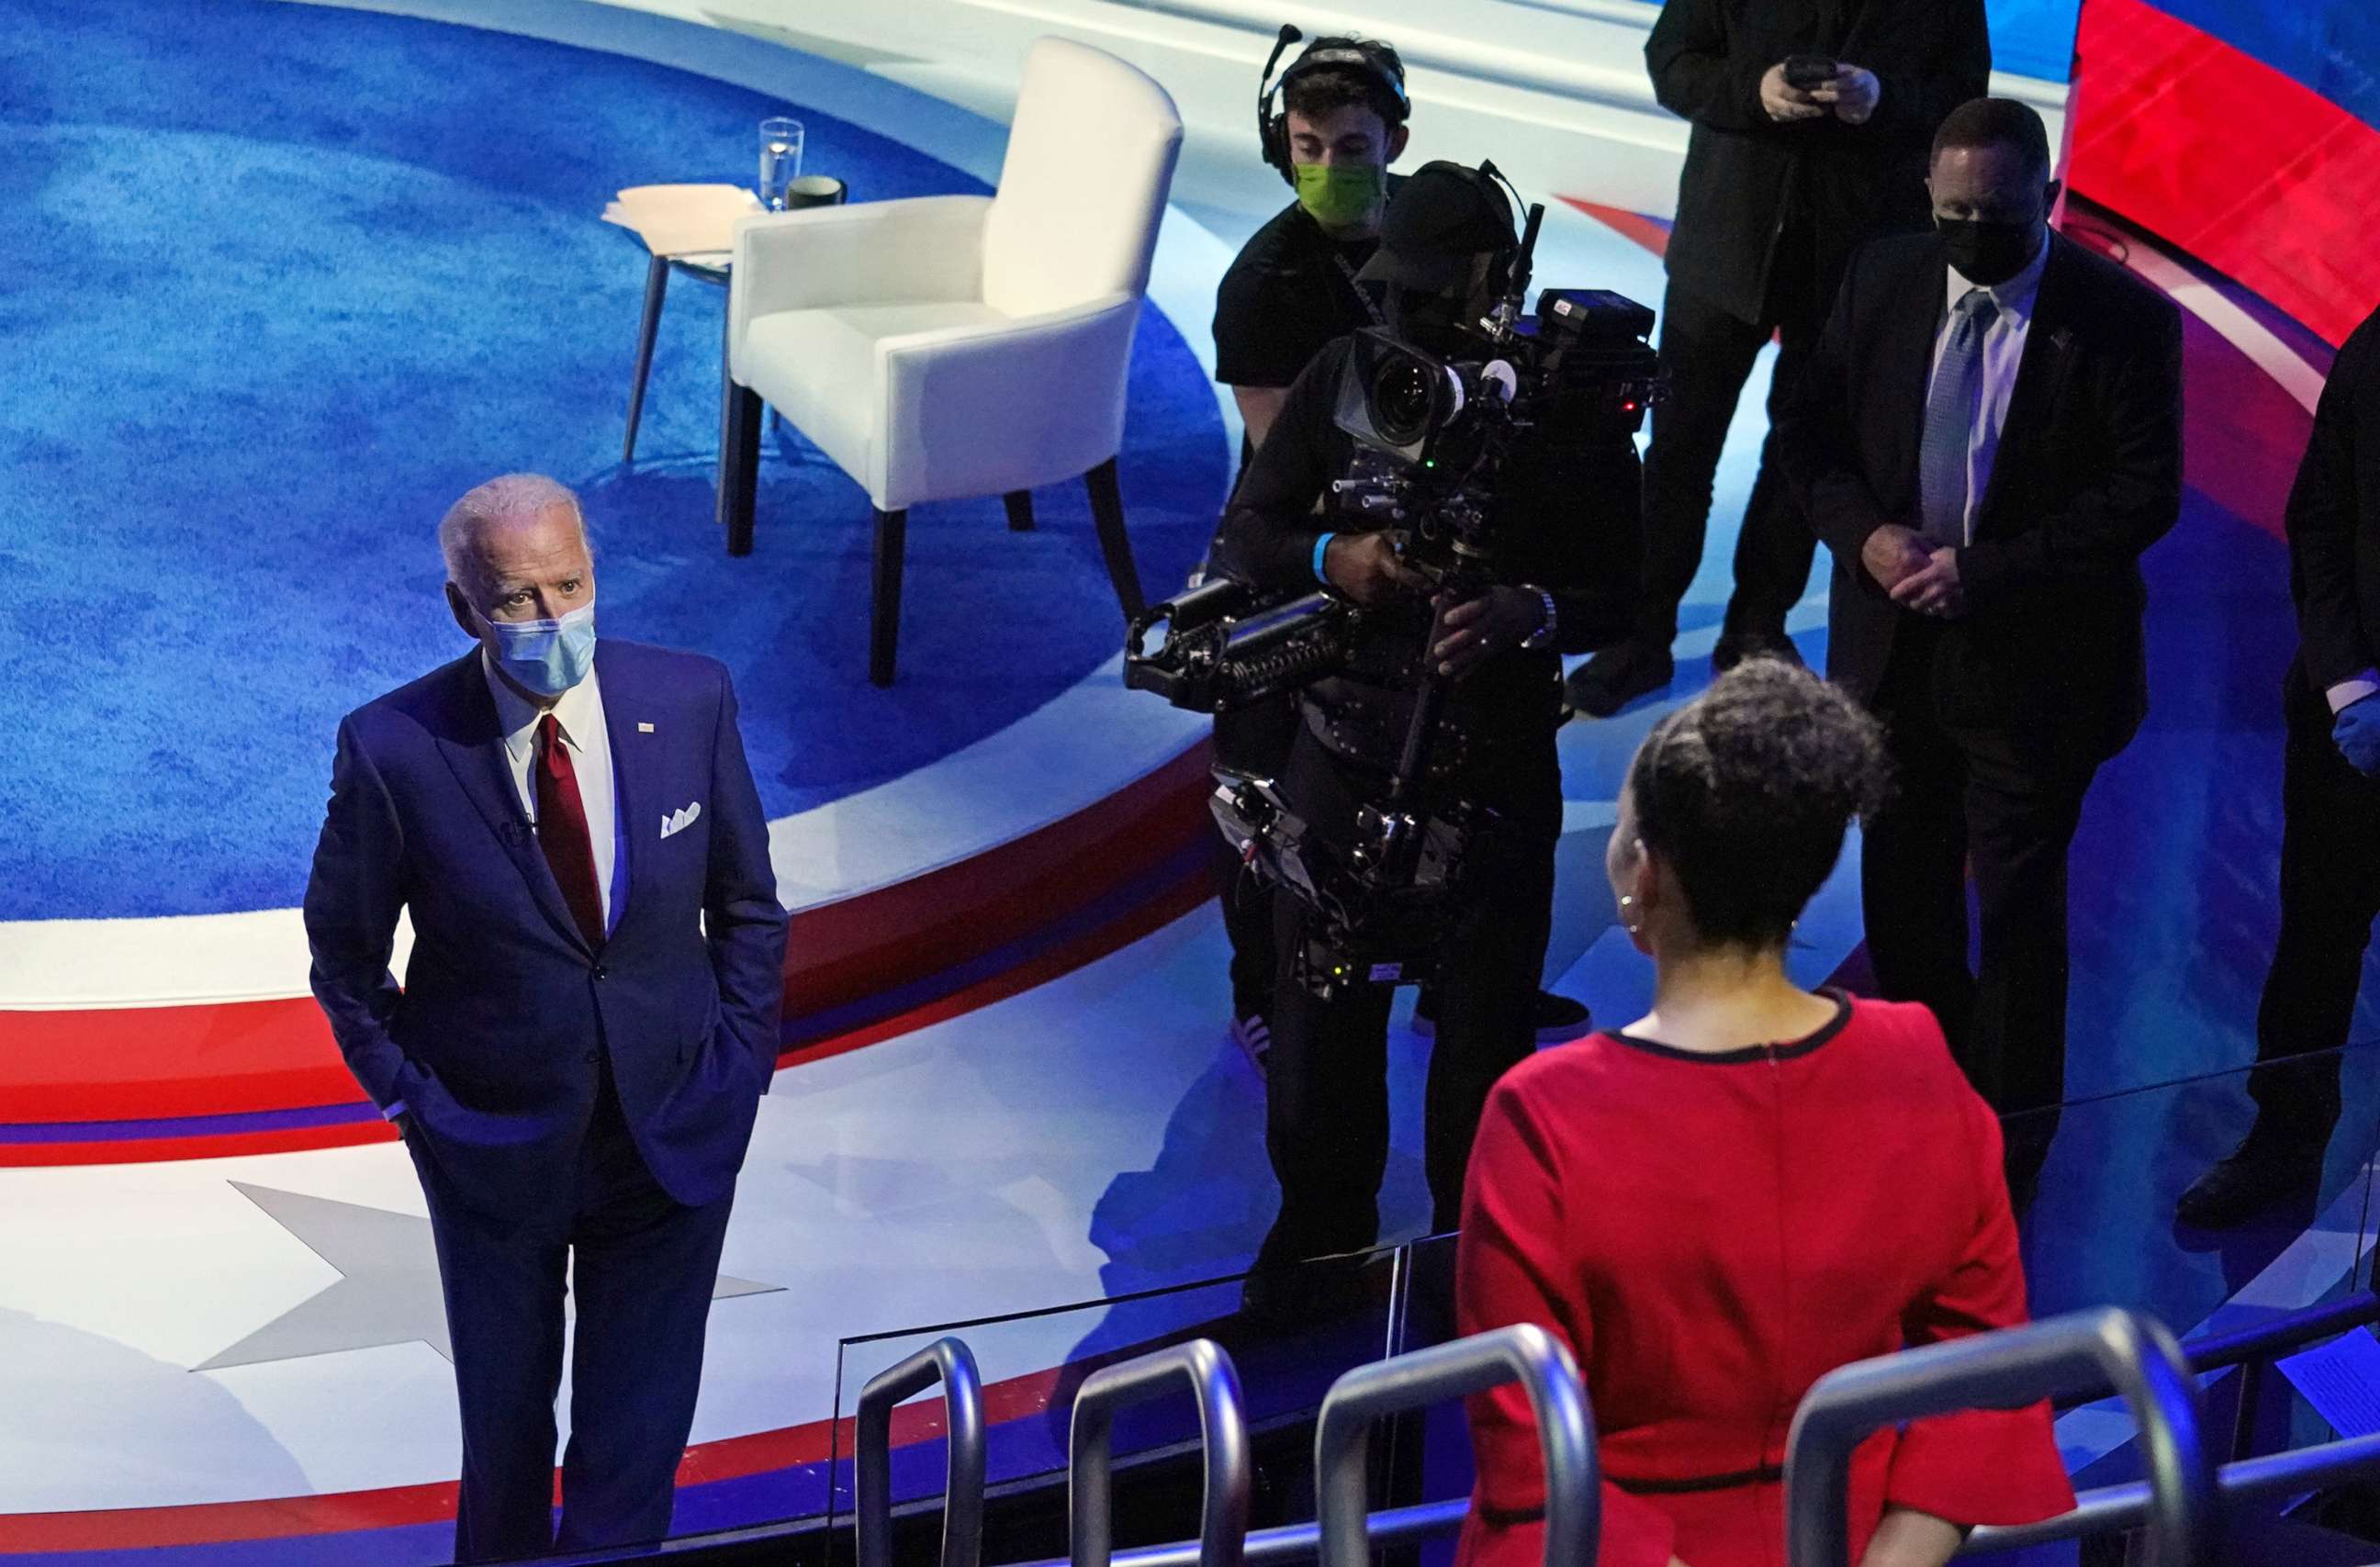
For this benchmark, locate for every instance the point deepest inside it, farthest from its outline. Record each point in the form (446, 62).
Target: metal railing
(946, 1361)
(2101, 1352)
(1215, 1386)
(1525, 1354)
(2128, 1506)
(2251, 1350)
(2006, 1371)
(1303, 1542)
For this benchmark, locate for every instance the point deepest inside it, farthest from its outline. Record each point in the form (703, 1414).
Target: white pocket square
(681, 819)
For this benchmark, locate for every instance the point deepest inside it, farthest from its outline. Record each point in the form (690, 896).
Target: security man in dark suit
(1782, 182)
(2330, 801)
(1987, 437)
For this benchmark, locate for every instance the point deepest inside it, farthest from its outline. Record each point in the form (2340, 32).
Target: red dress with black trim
(1712, 1233)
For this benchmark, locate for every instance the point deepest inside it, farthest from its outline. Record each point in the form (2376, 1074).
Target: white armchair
(956, 345)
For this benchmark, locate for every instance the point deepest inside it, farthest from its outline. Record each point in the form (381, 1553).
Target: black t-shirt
(1578, 524)
(1291, 290)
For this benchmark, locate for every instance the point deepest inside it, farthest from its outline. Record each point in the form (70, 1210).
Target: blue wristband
(1321, 547)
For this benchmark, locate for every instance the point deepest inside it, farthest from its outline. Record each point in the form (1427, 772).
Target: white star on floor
(387, 1291)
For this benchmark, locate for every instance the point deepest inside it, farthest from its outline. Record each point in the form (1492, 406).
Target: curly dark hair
(1318, 92)
(1746, 792)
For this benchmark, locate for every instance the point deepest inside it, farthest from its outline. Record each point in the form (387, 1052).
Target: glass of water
(781, 160)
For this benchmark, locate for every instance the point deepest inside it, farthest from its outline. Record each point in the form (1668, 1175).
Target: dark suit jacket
(493, 1042)
(2334, 520)
(1854, 183)
(2088, 474)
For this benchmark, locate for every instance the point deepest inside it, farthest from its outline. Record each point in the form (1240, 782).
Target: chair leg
(884, 605)
(1107, 513)
(655, 284)
(1020, 510)
(739, 467)
(727, 391)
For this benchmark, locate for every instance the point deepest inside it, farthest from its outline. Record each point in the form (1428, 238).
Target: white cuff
(2353, 690)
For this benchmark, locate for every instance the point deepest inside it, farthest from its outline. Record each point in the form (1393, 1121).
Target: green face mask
(1340, 195)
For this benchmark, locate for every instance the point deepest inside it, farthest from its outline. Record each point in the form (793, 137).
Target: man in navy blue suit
(589, 1018)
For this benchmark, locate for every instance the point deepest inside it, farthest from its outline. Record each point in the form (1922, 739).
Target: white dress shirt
(579, 716)
(2003, 355)
(2346, 693)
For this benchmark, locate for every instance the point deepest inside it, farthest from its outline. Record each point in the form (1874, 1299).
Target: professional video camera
(1433, 434)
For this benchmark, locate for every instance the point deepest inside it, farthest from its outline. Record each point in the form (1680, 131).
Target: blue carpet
(282, 282)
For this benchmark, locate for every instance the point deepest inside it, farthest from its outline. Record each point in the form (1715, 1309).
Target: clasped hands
(1850, 96)
(1917, 577)
(2355, 730)
(1365, 567)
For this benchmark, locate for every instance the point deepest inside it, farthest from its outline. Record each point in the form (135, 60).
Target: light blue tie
(1950, 419)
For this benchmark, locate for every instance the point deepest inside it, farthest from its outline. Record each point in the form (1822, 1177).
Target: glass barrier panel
(1290, 1334)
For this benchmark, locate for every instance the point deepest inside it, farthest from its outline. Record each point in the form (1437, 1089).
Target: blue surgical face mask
(547, 656)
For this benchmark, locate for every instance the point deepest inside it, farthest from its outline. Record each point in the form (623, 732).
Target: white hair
(508, 498)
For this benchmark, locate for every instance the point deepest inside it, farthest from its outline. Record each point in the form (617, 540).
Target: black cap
(1442, 216)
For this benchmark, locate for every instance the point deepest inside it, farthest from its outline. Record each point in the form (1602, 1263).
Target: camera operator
(1341, 122)
(1567, 584)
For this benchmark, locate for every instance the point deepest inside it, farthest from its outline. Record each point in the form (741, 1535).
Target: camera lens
(1403, 396)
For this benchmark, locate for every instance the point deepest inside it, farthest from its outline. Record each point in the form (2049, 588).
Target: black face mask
(1987, 251)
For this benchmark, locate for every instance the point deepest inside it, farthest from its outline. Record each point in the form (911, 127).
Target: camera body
(1433, 434)
(1575, 378)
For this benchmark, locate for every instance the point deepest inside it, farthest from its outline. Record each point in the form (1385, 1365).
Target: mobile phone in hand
(1806, 71)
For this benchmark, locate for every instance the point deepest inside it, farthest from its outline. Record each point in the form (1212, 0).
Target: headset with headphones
(1363, 55)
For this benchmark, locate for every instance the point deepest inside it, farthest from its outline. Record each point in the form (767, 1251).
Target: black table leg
(655, 284)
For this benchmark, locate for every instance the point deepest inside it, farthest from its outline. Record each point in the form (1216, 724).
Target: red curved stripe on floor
(1651, 233)
(2265, 179)
(850, 950)
(730, 1458)
(135, 1064)
(1175, 898)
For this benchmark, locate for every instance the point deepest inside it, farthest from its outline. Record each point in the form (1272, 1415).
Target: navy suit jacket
(494, 1041)
(2088, 475)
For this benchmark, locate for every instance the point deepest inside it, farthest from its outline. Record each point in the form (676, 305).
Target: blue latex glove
(2355, 733)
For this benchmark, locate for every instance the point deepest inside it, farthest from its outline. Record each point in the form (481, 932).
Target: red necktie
(562, 831)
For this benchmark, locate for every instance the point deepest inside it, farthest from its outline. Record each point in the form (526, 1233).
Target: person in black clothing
(2330, 803)
(1568, 586)
(1292, 290)
(1987, 437)
(1292, 286)
(1782, 183)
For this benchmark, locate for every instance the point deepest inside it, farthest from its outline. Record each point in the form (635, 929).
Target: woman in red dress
(1749, 1186)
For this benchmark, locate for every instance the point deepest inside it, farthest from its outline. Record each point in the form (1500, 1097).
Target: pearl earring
(1631, 926)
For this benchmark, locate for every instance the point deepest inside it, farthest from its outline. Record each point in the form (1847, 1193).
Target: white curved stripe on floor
(1072, 752)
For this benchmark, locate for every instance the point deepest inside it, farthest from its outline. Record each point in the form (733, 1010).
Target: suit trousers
(645, 1268)
(1707, 355)
(2330, 893)
(1327, 1098)
(2004, 804)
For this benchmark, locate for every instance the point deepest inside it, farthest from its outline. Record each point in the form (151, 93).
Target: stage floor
(1006, 1085)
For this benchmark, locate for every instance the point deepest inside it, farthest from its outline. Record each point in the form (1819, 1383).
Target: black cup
(815, 190)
